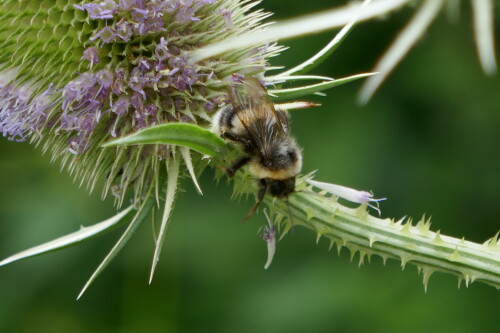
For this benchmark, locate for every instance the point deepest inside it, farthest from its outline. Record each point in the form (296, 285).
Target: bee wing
(256, 112)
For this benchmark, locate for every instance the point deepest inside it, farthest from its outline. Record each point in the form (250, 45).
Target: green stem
(368, 235)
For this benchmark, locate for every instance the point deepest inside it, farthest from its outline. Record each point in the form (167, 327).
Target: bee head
(282, 187)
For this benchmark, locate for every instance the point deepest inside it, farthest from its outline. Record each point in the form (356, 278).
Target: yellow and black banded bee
(251, 121)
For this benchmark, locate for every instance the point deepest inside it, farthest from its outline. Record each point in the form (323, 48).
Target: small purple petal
(136, 80)
(127, 5)
(124, 30)
(227, 17)
(120, 73)
(140, 15)
(155, 25)
(161, 50)
(107, 35)
(150, 110)
(20, 116)
(90, 54)
(121, 105)
(144, 65)
(137, 100)
(159, 66)
(105, 78)
(237, 77)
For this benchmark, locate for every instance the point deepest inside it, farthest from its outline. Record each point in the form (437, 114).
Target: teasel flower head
(93, 71)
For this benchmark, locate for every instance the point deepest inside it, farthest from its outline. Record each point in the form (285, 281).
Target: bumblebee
(252, 122)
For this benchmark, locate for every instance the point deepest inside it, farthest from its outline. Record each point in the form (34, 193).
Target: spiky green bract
(358, 231)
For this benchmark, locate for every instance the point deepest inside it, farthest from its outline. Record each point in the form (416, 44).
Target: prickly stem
(408, 243)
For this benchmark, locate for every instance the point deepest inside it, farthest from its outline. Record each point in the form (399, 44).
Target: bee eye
(292, 155)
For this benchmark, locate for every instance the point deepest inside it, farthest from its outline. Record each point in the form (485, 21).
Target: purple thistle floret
(237, 77)
(20, 115)
(161, 50)
(124, 30)
(123, 92)
(139, 17)
(101, 10)
(90, 54)
(140, 92)
(227, 16)
(107, 35)
(137, 100)
(137, 80)
(121, 105)
(105, 78)
(185, 14)
(91, 95)
(84, 101)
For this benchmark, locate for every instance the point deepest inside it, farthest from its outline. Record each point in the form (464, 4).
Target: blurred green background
(428, 141)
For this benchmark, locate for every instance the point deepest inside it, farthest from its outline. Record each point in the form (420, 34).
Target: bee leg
(229, 136)
(260, 197)
(237, 165)
(239, 139)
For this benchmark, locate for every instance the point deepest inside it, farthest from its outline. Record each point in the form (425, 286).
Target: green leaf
(291, 93)
(141, 213)
(188, 135)
(74, 238)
